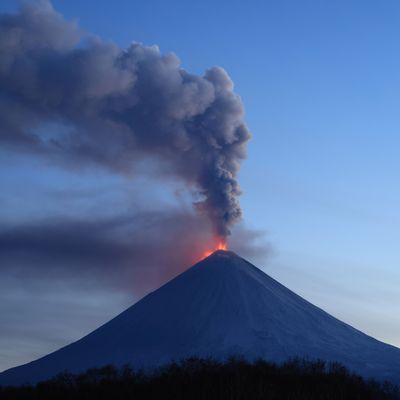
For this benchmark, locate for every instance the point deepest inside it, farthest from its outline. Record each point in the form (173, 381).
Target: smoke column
(77, 100)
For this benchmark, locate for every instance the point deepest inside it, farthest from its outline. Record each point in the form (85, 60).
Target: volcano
(221, 306)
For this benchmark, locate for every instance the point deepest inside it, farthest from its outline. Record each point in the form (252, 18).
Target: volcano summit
(221, 306)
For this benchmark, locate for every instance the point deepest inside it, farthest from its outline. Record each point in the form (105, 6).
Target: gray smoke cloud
(134, 251)
(77, 100)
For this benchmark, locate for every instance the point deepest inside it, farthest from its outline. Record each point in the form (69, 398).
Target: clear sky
(320, 83)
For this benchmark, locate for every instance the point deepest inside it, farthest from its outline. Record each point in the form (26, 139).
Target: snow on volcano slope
(221, 306)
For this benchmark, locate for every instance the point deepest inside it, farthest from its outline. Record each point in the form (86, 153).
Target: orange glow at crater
(221, 245)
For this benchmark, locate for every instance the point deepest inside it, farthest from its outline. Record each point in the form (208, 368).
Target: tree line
(208, 379)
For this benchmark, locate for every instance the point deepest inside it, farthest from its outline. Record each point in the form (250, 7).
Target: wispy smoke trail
(116, 107)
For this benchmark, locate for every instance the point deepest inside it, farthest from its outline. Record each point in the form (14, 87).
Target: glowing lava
(220, 246)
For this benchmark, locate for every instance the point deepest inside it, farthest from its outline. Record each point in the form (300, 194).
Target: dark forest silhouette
(208, 379)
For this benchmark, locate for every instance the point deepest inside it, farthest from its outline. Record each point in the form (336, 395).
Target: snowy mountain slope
(221, 306)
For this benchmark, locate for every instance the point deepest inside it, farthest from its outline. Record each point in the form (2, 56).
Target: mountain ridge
(221, 306)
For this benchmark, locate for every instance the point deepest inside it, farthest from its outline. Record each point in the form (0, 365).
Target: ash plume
(77, 100)
(134, 250)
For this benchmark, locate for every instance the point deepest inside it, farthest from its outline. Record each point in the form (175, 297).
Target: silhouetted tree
(207, 379)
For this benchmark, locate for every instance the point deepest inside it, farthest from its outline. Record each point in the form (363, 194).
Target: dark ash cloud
(115, 107)
(73, 100)
(133, 252)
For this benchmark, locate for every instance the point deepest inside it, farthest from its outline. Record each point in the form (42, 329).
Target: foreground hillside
(195, 379)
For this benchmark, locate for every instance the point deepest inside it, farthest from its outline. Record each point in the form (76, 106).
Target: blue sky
(320, 84)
